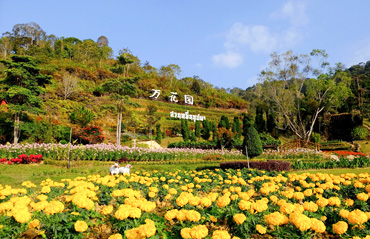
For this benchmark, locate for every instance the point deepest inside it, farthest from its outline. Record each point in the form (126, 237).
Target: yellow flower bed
(189, 204)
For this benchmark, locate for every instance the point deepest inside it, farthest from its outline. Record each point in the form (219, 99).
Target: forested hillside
(86, 84)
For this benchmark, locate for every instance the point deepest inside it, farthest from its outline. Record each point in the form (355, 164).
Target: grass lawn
(14, 175)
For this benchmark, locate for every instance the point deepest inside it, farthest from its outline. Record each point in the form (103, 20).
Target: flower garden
(190, 204)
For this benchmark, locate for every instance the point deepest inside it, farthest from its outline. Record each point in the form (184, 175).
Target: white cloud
(228, 59)
(256, 37)
(199, 65)
(361, 53)
(295, 11)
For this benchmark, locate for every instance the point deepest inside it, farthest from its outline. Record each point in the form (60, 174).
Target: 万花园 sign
(188, 99)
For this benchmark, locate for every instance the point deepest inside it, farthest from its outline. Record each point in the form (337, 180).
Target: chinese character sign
(156, 93)
(188, 99)
(173, 97)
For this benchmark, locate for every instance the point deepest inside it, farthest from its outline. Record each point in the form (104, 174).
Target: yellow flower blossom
(80, 226)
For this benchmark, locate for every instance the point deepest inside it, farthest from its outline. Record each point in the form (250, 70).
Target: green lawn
(14, 175)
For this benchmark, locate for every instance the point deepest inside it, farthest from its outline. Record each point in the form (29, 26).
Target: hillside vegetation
(88, 81)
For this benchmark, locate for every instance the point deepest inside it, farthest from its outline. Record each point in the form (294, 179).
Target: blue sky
(226, 43)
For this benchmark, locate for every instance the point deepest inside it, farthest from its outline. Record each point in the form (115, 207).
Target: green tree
(82, 116)
(198, 129)
(151, 117)
(158, 133)
(236, 127)
(259, 120)
(170, 72)
(298, 91)
(185, 131)
(22, 87)
(118, 92)
(252, 145)
(224, 122)
(206, 131)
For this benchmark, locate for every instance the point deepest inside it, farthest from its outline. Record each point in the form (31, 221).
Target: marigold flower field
(190, 204)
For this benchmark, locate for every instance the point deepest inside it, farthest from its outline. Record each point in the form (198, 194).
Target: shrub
(360, 133)
(315, 137)
(213, 157)
(270, 165)
(267, 139)
(252, 144)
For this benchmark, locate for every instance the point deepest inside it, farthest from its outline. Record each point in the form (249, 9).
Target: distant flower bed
(110, 152)
(346, 153)
(23, 159)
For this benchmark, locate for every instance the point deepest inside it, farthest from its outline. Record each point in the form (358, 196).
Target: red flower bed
(346, 153)
(23, 159)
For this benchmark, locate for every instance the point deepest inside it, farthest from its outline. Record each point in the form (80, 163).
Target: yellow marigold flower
(122, 213)
(80, 226)
(234, 197)
(75, 213)
(334, 201)
(276, 219)
(107, 210)
(344, 213)
(213, 219)
(152, 194)
(245, 205)
(221, 234)
(116, 236)
(34, 223)
(185, 233)
(170, 215)
(274, 199)
(168, 197)
(193, 216)
(54, 207)
(310, 206)
(239, 218)
(223, 201)
(182, 201)
(340, 227)
(298, 195)
(45, 189)
(362, 197)
(357, 217)
(287, 208)
(322, 202)
(21, 215)
(323, 218)
(317, 225)
(42, 197)
(260, 206)
(368, 215)
(162, 179)
(260, 229)
(212, 196)
(199, 232)
(301, 221)
(349, 202)
(194, 201)
(367, 188)
(165, 186)
(308, 192)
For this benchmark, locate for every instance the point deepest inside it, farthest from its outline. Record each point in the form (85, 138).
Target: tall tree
(236, 127)
(21, 88)
(170, 71)
(206, 131)
(299, 90)
(120, 94)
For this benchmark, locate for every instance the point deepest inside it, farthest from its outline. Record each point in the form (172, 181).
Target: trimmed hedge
(270, 165)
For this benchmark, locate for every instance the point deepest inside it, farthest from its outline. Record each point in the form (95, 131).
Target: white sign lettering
(187, 116)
